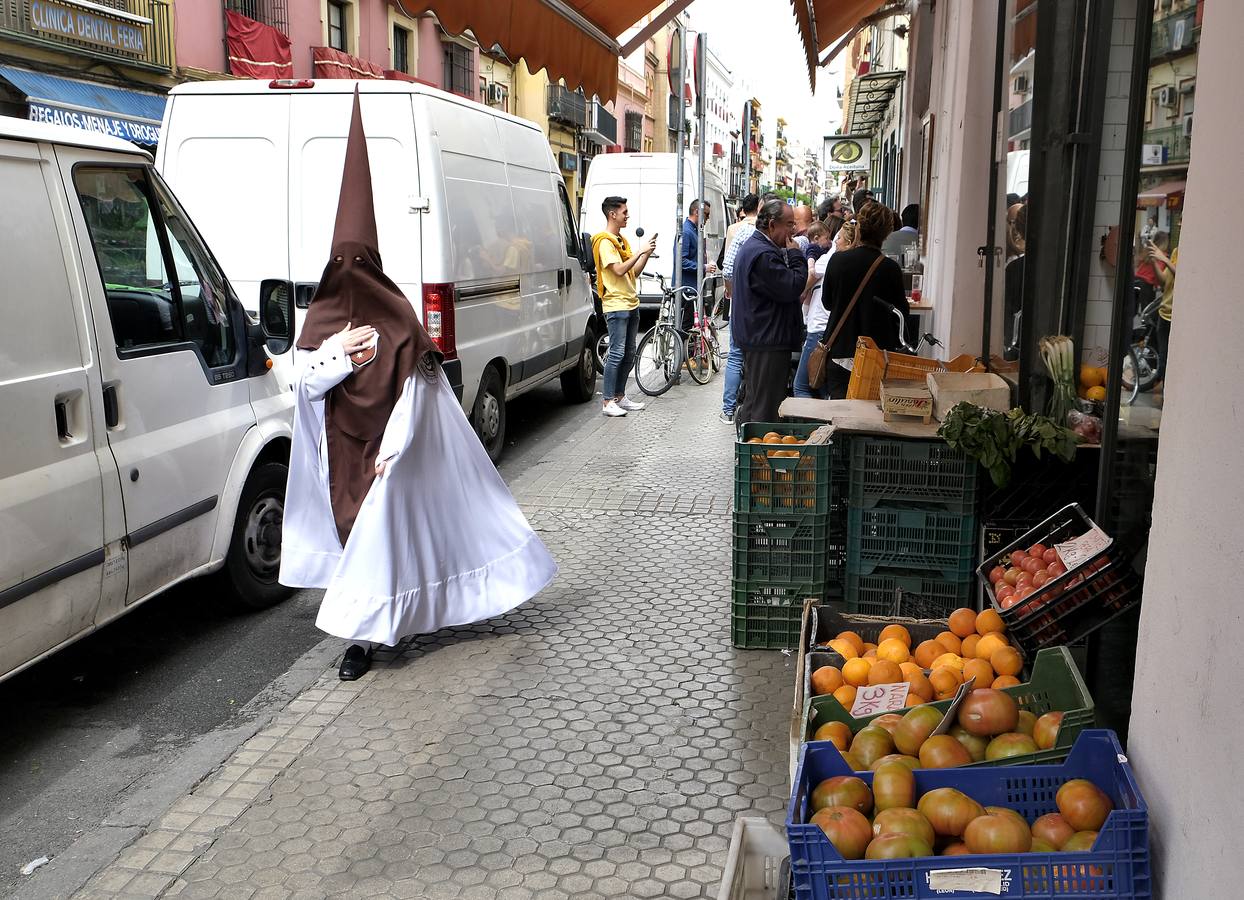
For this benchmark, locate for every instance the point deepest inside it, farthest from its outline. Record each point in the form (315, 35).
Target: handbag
(819, 359)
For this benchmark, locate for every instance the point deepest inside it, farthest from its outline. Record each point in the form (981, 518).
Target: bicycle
(661, 351)
(703, 352)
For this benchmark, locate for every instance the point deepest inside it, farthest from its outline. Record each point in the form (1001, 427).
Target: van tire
(488, 414)
(579, 383)
(254, 558)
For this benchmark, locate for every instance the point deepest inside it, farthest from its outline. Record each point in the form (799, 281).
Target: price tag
(879, 698)
(1082, 549)
(981, 881)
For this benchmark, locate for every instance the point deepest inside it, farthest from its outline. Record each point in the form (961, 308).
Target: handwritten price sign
(879, 698)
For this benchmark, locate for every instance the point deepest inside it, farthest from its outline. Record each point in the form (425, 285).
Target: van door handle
(112, 406)
(71, 418)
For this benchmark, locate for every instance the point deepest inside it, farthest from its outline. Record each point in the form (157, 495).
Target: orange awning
(834, 18)
(1160, 194)
(807, 34)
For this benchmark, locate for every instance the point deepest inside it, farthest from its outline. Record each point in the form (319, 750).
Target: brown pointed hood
(354, 290)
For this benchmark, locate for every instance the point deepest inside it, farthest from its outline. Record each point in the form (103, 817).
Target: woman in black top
(873, 314)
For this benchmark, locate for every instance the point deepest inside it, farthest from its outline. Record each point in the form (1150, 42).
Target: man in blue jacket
(688, 252)
(770, 273)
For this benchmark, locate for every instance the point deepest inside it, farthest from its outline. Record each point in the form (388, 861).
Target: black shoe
(355, 664)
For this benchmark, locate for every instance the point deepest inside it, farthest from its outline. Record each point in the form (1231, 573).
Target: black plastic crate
(1041, 487)
(887, 470)
(927, 539)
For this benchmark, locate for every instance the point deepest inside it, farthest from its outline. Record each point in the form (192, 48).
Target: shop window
(401, 49)
(459, 72)
(269, 12)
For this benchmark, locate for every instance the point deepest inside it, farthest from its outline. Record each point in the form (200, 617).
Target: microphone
(639, 232)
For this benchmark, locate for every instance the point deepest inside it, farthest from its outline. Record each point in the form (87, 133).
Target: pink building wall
(200, 36)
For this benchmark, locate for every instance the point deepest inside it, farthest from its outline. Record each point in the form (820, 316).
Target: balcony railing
(601, 125)
(134, 32)
(269, 12)
(1178, 145)
(1175, 34)
(1020, 119)
(566, 106)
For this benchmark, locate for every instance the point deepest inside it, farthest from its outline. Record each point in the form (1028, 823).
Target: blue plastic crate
(1117, 866)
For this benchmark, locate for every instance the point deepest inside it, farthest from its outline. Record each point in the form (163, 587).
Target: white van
(648, 182)
(145, 440)
(474, 221)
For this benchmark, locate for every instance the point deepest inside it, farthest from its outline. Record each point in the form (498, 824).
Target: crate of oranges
(972, 646)
(783, 468)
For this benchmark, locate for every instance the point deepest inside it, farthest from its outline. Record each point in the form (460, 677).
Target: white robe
(439, 540)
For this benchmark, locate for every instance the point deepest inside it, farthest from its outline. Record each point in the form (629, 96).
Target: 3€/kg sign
(879, 698)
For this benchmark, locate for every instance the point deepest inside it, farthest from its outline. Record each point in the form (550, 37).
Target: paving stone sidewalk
(598, 742)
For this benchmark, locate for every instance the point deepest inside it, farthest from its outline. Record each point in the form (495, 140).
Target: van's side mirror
(586, 259)
(276, 314)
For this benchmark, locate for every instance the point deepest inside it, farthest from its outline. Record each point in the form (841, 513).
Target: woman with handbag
(818, 315)
(860, 290)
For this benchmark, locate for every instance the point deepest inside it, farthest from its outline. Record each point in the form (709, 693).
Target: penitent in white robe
(439, 540)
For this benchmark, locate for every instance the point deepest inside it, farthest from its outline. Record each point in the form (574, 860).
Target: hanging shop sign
(847, 152)
(71, 21)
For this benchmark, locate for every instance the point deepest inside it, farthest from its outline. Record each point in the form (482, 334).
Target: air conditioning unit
(1188, 125)
(1021, 84)
(1168, 97)
(495, 93)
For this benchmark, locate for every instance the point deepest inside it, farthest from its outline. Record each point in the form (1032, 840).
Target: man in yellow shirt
(617, 270)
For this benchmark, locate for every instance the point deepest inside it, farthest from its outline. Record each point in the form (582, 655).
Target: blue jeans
(734, 378)
(802, 388)
(623, 332)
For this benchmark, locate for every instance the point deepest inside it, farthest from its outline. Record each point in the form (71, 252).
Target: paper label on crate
(1080, 550)
(879, 698)
(983, 881)
(952, 711)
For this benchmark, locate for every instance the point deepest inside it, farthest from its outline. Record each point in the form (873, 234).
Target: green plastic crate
(780, 550)
(885, 470)
(1055, 684)
(926, 540)
(782, 485)
(924, 595)
(768, 618)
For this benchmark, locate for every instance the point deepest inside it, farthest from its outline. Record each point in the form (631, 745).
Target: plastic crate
(872, 365)
(788, 484)
(1041, 487)
(827, 622)
(925, 540)
(1075, 604)
(887, 470)
(767, 617)
(919, 594)
(758, 863)
(1054, 684)
(1117, 867)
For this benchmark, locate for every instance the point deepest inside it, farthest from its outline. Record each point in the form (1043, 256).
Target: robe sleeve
(324, 369)
(397, 433)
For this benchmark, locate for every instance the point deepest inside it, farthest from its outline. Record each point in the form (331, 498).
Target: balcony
(1020, 120)
(136, 33)
(1175, 35)
(567, 107)
(601, 126)
(1178, 145)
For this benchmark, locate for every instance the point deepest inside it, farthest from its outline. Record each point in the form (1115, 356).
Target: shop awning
(808, 35)
(834, 18)
(130, 115)
(871, 95)
(1159, 193)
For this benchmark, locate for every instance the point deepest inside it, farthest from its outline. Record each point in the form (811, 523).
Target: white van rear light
(438, 317)
(291, 84)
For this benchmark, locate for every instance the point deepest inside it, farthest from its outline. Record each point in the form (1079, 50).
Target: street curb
(70, 870)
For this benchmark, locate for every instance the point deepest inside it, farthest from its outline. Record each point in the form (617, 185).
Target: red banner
(331, 63)
(256, 50)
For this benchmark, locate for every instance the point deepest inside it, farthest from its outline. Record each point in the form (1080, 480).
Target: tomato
(1040, 846)
(1056, 569)
(1050, 555)
(986, 712)
(1024, 580)
(1005, 746)
(1012, 576)
(1018, 557)
(1027, 722)
(949, 810)
(909, 761)
(1080, 842)
(975, 745)
(847, 829)
(1045, 732)
(843, 790)
(1040, 578)
(1083, 804)
(1003, 591)
(958, 848)
(1032, 566)
(897, 846)
(998, 833)
(1011, 600)
(1037, 550)
(1025, 592)
(943, 752)
(1053, 829)
(889, 722)
(903, 821)
(915, 729)
(871, 744)
(894, 786)
(995, 574)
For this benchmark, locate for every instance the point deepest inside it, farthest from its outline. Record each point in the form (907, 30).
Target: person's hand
(792, 244)
(711, 269)
(650, 247)
(355, 339)
(381, 466)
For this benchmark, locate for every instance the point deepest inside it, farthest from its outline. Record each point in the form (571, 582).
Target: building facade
(721, 118)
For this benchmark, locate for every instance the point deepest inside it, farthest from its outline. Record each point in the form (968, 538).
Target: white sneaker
(613, 410)
(630, 405)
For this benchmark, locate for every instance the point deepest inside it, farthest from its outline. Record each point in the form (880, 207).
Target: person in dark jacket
(767, 322)
(688, 253)
(873, 314)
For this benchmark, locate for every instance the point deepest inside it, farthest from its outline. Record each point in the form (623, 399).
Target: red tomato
(1050, 555)
(1040, 578)
(1003, 591)
(1037, 550)
(996, 574)
(1018, 557)
(1025, 592)
(1056, 569)
(1012, 576)
(1024, 580)
(1011, 600)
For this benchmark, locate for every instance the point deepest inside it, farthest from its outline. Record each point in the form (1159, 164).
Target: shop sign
(1153, 154)
(65, 20)
(847, 153)
(100, 123)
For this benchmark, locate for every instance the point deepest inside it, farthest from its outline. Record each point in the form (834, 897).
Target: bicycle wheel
(657, 360)
(717, 354)
(698, 358)
(601, 351)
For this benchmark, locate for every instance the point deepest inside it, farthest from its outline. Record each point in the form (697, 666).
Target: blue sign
(84, 25)
(98, 122)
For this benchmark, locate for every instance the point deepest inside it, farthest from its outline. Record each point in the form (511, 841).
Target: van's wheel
(488, 415)
(579, 383)
(254, 558)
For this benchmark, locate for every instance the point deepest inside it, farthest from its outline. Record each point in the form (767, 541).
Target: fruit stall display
(1073, 829)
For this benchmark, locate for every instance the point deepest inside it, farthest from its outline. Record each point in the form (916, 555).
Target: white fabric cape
(439, 540)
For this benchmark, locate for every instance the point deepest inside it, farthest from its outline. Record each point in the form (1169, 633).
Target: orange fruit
(1095, 393)
(838, 732)
(1006, 661)
(927, 652)
(855, 672)
(988, 620)
(1004, 681)
(846, 696)
(962, 622)
(950, 641)
(885, 672)
(920, 686)
(855, 640)
(755, 441)
(772, 438)
(980, 670)
(894, 650)
(826, 680)
(969, 646)
(913, 699)
(945, 681)
(989, 644)
(790, 439)
(894, 631)
(910, 668)
(845, 649)
(950, 660)
(868, 645)
(870, 654)
(1090, 377)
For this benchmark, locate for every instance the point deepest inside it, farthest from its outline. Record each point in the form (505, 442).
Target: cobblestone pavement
(598, 742)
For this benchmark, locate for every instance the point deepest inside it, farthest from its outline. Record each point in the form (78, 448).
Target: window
(337, 35)
(634, 131)
(572, 239)
(163, 289)
(401, 49)
(458, 74)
